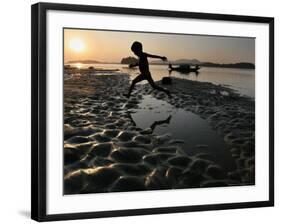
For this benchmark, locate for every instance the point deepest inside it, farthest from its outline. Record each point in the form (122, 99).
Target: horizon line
(108, 62)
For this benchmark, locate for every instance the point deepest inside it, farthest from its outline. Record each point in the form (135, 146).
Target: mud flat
(229, 113)
(104, 151)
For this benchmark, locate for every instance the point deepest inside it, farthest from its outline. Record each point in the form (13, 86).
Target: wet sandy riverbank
(105, 151)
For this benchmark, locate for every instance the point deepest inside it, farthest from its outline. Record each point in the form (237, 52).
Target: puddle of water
(198, 136)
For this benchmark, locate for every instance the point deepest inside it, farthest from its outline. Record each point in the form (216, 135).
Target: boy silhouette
(144, 68)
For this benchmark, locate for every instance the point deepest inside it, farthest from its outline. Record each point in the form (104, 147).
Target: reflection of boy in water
(144, 68)
(156, 123)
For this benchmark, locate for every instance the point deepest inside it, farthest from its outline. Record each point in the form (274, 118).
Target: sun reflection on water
(78, 65)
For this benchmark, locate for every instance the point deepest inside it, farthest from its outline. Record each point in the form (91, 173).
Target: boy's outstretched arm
(133, 65)
(163, 58)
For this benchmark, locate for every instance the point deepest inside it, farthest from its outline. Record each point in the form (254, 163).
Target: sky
(112, 46)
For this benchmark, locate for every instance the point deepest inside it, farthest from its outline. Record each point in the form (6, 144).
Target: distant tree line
(129, 60)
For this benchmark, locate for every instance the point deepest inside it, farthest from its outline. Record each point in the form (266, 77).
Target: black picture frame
(39, 122)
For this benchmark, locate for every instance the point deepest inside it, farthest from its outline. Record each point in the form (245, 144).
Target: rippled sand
(104, 151)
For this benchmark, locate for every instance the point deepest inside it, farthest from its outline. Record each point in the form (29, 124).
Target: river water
(242, 80)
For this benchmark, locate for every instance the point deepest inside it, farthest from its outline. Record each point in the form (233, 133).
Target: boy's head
(136, 48)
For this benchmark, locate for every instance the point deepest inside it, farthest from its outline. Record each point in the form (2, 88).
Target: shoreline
(102, 143)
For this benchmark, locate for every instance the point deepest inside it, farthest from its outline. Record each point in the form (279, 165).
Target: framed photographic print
(138, 111)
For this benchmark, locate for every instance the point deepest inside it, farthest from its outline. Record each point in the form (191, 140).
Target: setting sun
(76, 45)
